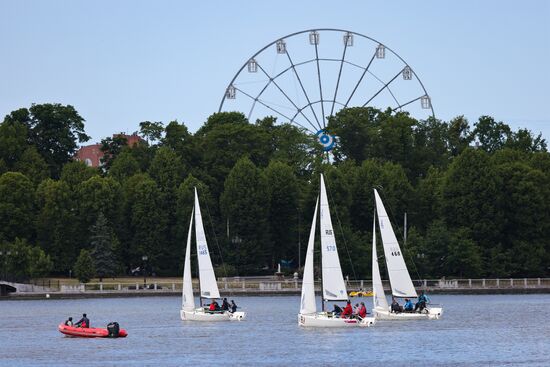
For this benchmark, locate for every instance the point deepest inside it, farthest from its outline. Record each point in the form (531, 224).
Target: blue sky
(122, 62)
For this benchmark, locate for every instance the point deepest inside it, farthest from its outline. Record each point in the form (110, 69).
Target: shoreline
(241, 293)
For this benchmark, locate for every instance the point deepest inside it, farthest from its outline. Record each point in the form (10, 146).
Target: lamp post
(144, 258)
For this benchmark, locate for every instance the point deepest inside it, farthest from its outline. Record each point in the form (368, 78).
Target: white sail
(308, 305)
(334, 287)
(209, 287)
(400, 279)
(378, 297)
(187, 299)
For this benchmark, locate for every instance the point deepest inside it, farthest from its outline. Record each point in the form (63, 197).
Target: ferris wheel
(306, 77)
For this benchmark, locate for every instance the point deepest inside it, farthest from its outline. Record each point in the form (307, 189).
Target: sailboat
(400, 279)
(334, 288)
(207, 278)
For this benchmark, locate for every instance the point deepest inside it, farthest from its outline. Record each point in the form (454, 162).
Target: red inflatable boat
(92, 332)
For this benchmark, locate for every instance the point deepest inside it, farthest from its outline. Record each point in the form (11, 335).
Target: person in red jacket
(214, 306)
(362, 310)
(348, 311)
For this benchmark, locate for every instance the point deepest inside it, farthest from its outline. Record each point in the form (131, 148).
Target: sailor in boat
(395, 306)
(408, 307)
(362, 311)
(348, 311)
(423, 300)
(356, 310)
(84, 322)
(69, 322)
(337, 310)
(233, 306)
(214, 307)
(225, 305)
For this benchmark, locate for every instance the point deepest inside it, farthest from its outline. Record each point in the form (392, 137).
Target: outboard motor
(113, 329)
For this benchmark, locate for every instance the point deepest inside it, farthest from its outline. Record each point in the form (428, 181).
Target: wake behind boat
(334, 288)
(400, 279)
(207, 278)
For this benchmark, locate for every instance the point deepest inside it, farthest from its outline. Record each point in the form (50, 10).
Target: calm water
(488, 330)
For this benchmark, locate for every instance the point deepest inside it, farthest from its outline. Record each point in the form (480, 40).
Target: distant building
(92, 154)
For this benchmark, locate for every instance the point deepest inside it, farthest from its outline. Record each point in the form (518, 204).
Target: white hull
(199, 314)
(432, 313)
(324, 319)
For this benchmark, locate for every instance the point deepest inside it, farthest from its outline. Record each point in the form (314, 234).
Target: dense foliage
(477, 197)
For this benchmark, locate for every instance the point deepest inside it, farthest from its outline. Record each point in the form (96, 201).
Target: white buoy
(47, 295)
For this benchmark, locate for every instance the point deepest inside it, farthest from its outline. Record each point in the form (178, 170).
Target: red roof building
(92, 154)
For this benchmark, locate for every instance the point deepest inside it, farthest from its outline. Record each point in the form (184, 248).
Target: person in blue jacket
(423, 300)
(408, 306)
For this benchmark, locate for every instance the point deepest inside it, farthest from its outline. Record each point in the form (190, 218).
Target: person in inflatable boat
(84, 322)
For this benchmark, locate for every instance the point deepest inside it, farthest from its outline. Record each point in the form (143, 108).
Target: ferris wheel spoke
(360, 79)
(406, 103)
(263, 104)
(339, 75)
(302, 86)
(272, 80)
(384, 87)
(389, 89)
(320, 86)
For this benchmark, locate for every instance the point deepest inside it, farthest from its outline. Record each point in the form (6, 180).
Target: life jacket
(347, 310)
(363, 311)
(212, 307)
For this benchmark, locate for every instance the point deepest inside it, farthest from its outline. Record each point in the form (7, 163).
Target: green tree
(151, 131)
(220, 119)
(168, 171)
(84, 267)
(223, 140)
(17, 206)
(427, 199)
(148, 229)
(430, 140)
(524, 140)
(76, 172)
(459, 135)
(32, 165)
(57, 223)
(291, 145)
(22, 261)
(176, 137)
(244, 205)
(54, 130)
(95, 195)
(102, 242)
(124, 166)
(470, 198)
(283, 203)
(13, 138)
(111, 148)
(491, 135)
(40, 264)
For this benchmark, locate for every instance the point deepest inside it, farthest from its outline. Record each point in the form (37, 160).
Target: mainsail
(209, 287)
(188, 300)
(400, 279)
(308, 305)
(378, 297)
(334, 287)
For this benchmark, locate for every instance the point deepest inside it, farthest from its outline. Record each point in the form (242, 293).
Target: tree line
(477, 196)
